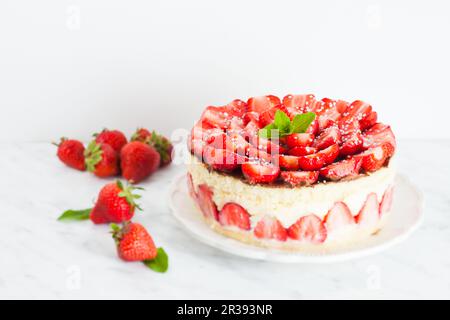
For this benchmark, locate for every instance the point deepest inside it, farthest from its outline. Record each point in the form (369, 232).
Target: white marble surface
(43, 258)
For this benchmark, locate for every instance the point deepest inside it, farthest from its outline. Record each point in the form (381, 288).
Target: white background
(72, 67)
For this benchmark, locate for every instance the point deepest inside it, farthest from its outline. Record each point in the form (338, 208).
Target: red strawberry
(138, 161)
(352, 144)
(236, 108)
(101, 159)
(238, 143)
(220, 117)
(114, 138)
(301, 102)
(255, 154)
(71, 153)
(289, 162)
(300, 178)
(262, 103)
(299, 140)
(163, 146)
(266, 145)
(320, 159)
(380, 134)
(313, 127)
(141, 135)
(338, 217)
(302, 151)
(270, 228)
(233, 214)
(308, 228)
(134, 243)
(115, 203)
(260, 172)
(268, 116)
(251, 129)
(358, 110)
(341, 106)
(374, 158)
(206, 203)
(327, 113)
(343, 169)
(222, 159)
(386, 202)
(328, 137)
(369, 213)
(204, 132)
(251, 117)
(369, 121)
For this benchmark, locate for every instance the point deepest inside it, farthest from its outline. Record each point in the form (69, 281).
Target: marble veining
(43, 258)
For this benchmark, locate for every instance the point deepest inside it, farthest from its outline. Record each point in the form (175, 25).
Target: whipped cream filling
(289, 204)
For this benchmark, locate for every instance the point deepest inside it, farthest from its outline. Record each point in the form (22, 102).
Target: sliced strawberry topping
(268, 116)
(220, 117)
(222, 159)
(343, 169)
(190, 185)
(313, 127)
(358, 110)
(238, 143)
(352, 144)
(300, 178)
(260, 172)
(251, 130)
(301, 151)
(328, 137)
(341, 106)
(202, 131)
(206, 203)
(270, 228)
(263, 103)
(386, 202)
(289, 162)
(369, 121)
(368, 215)
(320, 159)
(338, 217)
(301, 102)
(233, 214)
(256, 154)
(267, 145)
(251, 116)
(327, 113)
(374, 158)
(299, 140)
(308, 228)
(237, 108)
(380, 134)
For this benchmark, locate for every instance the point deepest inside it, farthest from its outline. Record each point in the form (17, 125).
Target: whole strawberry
(115, 203)
(157, 141)
(138, 161)
(114, 138)
(133, 242)
(101, 159)
(142, 135)
(71, 153)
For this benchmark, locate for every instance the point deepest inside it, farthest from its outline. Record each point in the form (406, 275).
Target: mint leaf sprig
(283, 125)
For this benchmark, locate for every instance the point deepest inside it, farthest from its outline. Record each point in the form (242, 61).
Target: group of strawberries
(115, 204)
(342, 140)
(110, 153)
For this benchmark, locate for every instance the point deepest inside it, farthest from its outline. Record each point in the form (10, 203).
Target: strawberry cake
(296, 173)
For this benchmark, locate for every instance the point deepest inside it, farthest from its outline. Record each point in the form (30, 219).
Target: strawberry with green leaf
(284, 126)
(115, 203)
(101, 159)
(157, 141)
(134, 243)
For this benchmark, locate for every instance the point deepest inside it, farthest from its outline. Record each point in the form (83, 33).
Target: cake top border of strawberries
(297, 141)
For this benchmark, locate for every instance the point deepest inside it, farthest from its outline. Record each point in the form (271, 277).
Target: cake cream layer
(289, 204)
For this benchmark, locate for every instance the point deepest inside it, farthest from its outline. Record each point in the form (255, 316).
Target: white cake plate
(406, 216)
